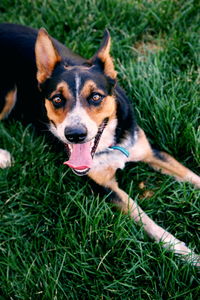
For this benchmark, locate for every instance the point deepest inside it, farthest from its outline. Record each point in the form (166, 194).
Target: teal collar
(121, 149)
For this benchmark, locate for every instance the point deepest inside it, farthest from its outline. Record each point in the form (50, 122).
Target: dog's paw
(180, 249)
(193, 259)
(187, 254)
(5, 159)
(193, 178)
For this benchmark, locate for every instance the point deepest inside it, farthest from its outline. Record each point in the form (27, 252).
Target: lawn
(59, 239)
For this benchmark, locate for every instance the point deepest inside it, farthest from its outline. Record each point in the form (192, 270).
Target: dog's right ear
(46, 55)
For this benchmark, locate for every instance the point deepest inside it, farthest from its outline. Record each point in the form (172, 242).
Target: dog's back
(18, 68)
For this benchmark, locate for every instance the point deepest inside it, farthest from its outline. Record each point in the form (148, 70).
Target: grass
(58, 238)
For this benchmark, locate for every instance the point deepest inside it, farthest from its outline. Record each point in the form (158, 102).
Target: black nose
(76, 134)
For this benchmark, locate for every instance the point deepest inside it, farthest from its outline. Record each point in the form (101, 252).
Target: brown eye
(58, 101)
(96, 97)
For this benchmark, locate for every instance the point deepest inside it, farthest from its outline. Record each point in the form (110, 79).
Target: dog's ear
(46, 55)
(103, 57)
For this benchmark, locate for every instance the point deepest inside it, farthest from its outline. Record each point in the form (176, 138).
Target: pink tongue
(80, 157)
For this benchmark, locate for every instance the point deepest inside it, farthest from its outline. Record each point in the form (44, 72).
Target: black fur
(109, 194)
(159, 155)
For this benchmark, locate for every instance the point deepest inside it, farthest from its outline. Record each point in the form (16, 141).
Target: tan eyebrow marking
(69, 68)
(89, 87)
(64, 89)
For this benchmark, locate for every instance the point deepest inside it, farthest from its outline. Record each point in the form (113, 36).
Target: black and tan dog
(81, 103)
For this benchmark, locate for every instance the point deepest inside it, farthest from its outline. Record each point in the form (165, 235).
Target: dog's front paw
(5, 159)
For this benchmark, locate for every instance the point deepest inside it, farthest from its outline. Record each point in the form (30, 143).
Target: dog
(82, 105)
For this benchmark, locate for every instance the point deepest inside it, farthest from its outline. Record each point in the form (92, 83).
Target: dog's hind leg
(161, 161)
(9, 103)
(126, 204)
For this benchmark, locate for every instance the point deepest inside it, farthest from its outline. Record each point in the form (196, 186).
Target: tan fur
(142, 151)
(170, 166)
(10, 100)
(106, 109)
(83, 68)
(103, 178)
(62, 88)
(104, 55)
(46, 56)
(56, 116)
(88, 88)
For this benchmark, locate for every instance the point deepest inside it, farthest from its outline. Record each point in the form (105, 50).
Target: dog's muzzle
(80, 153)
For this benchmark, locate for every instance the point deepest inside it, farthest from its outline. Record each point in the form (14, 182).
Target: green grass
(58, 238)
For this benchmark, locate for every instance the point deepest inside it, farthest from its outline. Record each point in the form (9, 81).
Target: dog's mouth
(81, 155)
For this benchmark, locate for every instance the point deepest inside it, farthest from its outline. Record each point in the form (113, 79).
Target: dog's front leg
(130, 207)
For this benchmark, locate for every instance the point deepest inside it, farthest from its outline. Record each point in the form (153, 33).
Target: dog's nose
(76, 134)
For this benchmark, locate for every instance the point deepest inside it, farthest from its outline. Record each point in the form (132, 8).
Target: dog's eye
(95, 98)
(58, 101)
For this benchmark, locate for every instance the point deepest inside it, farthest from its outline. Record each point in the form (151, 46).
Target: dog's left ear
(46, 55)
(103, 56)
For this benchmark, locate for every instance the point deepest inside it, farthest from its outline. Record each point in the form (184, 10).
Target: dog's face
(79, 100)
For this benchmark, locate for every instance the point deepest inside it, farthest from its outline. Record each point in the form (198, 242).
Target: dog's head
(79, 99)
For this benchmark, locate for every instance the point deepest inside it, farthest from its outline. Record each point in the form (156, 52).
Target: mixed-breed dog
(82, 105)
